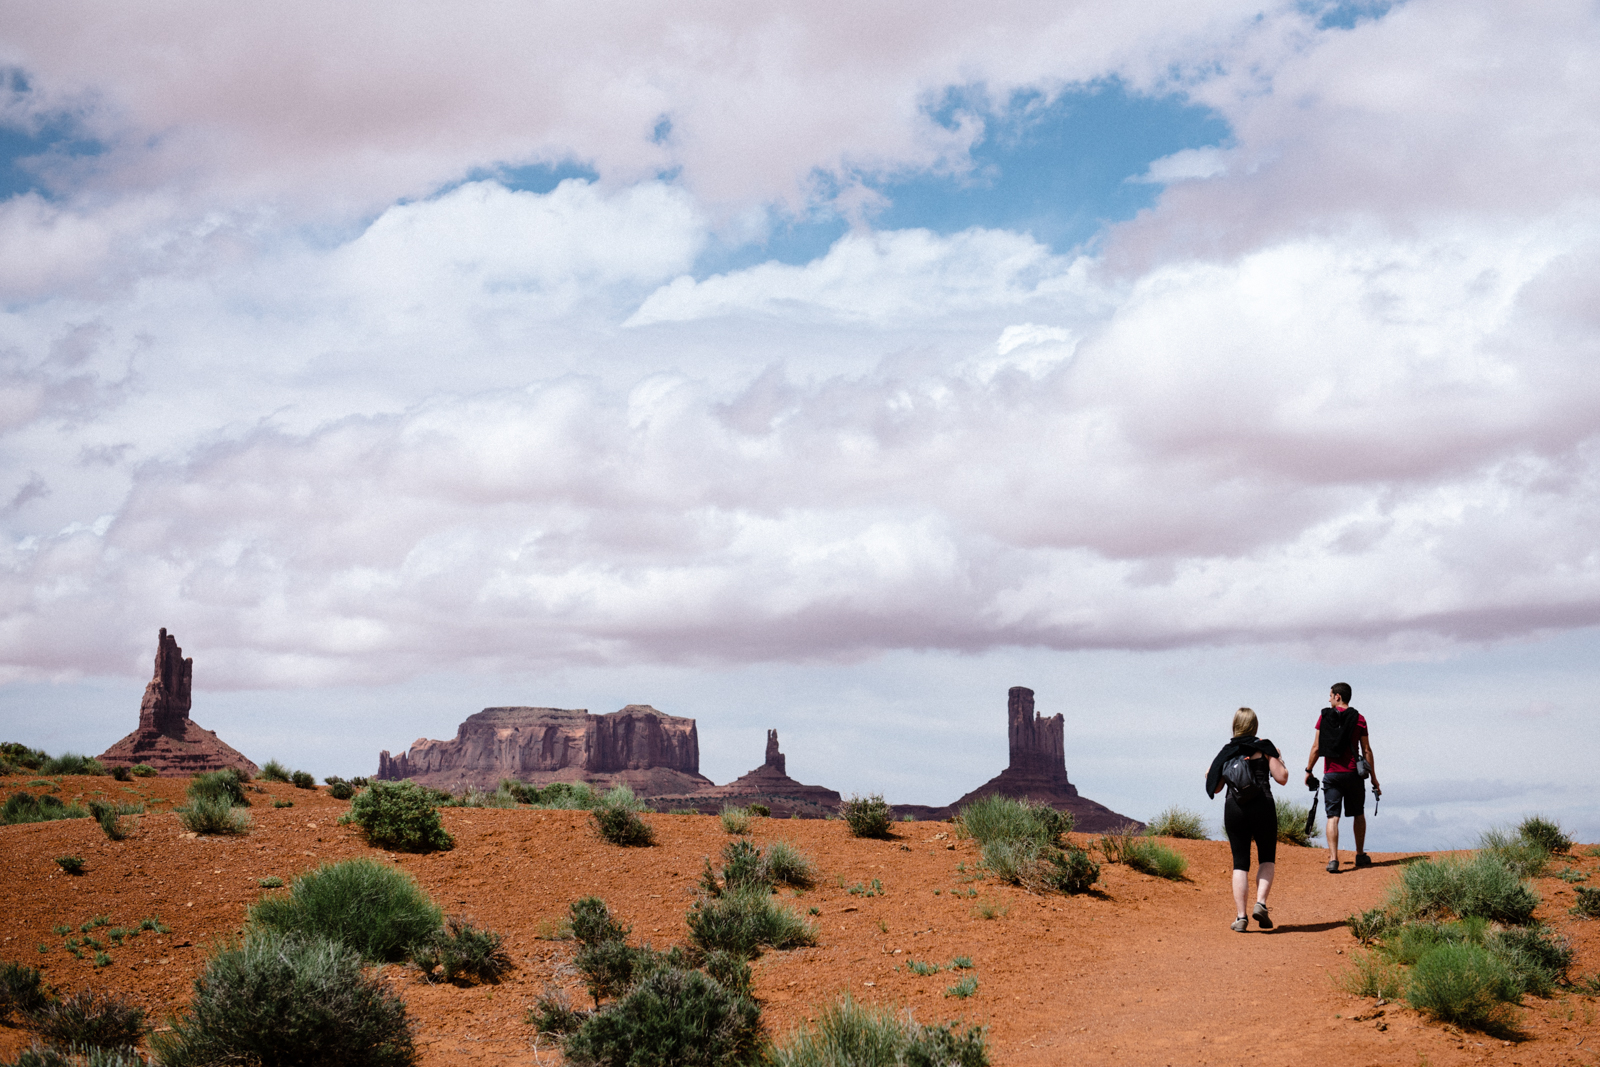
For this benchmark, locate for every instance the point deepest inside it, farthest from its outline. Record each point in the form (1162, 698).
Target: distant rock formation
(1038, 771)
(768, 784)
(651, 753)
(167, 739)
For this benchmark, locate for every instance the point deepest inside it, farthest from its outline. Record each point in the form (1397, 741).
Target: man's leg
(1360, 823)
(1333, 838)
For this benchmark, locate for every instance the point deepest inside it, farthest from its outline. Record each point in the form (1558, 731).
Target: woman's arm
(1280, 773)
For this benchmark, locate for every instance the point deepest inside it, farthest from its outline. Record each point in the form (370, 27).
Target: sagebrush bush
(1001, 818)
(552, 1013)
(225, 785)
(787, 865)
(1537, 956)
(1524, 856)
(302, 780)
(1372, 975)
(616, 819)
(593, 923)
(759, 809)
(70, 864)
(461, 950)
(565, 796)
(283, 1000)
(1182, 823)
(376, 909)
(852, 1034)
(71, 763)
(143, 770)
(1480, 885)
(339, 789)
(1463, 984)
(735, 819)
(213, 815)
(1144, 855)
(122, 773)
(399, 815)
(51, 1056)
(1547, 834)
(90, 1020)
(1587, 905)
(867, 816)
(273, 771)
(672, 1017)
(1370, 925)
(742, 920)
(1067, 870)
(20, 755)
(22, 990)
(46, 807)
(1292, 823)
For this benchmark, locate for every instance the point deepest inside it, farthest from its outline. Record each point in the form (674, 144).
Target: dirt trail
(1143, 971)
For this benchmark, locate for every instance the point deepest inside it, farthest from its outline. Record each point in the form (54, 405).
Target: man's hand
(1311, 781)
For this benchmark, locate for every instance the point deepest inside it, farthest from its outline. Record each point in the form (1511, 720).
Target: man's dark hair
(1342, 689)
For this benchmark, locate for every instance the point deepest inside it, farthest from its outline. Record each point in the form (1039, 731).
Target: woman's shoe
(1333, 866)
(1238, 926)
(1261, 917)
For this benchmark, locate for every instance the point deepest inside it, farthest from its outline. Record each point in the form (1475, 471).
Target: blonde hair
(1245, 723)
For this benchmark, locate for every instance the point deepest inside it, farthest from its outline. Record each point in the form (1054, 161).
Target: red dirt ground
(1144, 971)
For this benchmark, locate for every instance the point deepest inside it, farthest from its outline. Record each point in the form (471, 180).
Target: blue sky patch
(26, 153)
(1346, 14)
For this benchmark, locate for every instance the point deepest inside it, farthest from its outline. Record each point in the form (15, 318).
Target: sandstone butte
(658, 756)
(167, 739)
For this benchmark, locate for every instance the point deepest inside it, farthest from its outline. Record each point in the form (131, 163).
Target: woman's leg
(1241, 888)
(1264, 875)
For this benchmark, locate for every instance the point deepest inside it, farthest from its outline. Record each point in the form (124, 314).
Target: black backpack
(1240, 776)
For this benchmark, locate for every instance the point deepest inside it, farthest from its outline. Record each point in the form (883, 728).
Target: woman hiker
(1249, 813)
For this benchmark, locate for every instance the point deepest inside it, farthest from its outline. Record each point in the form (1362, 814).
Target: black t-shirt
(1235, 747)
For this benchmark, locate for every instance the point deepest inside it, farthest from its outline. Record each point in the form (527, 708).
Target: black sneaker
(1261, 917)
(1333, 866)
(1363, 860)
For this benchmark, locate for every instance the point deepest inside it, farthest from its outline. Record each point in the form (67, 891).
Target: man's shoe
(1238, 925)
(1363, 860)
(1261, 917)
(1333, 866)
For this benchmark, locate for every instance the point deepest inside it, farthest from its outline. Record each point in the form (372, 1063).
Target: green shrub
(1001, 818)
(741, 921)
(273, 771)
(25, 807)
(787, 865)
(565, 796)
(964, 988)
(70, 864)
(302, 780)
(743, 867)
(90, 1020)
(610, 967)
(1292, 823)
(1480, 885)
(616, 819)
(759, 809)
(1523, 856)
(672, 1017)
(1538, 957)
(1370, 925)
(401, 816)
(1143, 855)
(122, 773)
(213, 815)
(22, 756)
(280, 1000)
(71, 763)
(143, 770)
(1371, 975)
(1410, 942)
(848, 1034)
(225, 785)
(1068, 870)
(1464, 984)
(735, 819)
(592, 922)
(271, 881)
(1545, 833)
(1588, 903)
(339, 789)
(284, 804)
(376, 909)
(867, 816)
(732, 972)
(109, 817)
(461, 950)
(22, 990)
(1182, 823)
(552, 1014)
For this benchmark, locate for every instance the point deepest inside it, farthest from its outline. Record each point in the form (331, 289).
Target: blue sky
(825, 374)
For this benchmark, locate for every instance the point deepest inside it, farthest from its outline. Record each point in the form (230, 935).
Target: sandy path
(1141, 972)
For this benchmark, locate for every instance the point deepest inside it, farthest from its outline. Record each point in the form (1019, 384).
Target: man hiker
(1341, 740)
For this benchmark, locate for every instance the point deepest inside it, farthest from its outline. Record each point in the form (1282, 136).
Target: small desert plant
(71, 763)
(616, 818)
(213, 815)
(1068, 870)
(867, 816)
(122, 773)
(1538, 957)
(964, 988)
(672, 1017)
(22, 757)
(990, 909)
(1464, 984)
(25, 807)
(287, 999)
(1588, 903)
(565, 796)
(1370, 925)
(735, 819)
(90, 1020)
(461, 950)
(378, 910)
(339, 789)
(1143, 855)
(283, 803)
(741, 921)
(273, 771)
(1523, 856)
(400, 816)
(1002, 818)
(1292, 823)
(922, 970)
(70, 864)
(271, 881)
(143, 770)
(1478, 886)
(759, 809)
(552, 1013)
(961, 963)
(22, 990)
(302, 780)
(787, 865)
(861, 1036)
(1181, 823)
(1371, 975)
(225, 784)
(1547, 834)
(592, 922)
(109, 816)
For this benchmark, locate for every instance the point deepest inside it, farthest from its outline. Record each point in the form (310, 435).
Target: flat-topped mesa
(167, 739)
(638, 746)
(768, 784)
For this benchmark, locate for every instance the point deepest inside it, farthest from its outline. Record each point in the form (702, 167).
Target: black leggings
(1256, 821)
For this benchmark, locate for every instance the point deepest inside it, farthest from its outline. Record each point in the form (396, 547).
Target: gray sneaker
(1261, 917)
(1239, 925)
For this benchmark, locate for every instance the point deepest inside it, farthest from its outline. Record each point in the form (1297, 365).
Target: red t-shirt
(1334, 765)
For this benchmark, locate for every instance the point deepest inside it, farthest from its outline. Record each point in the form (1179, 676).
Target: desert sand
(1142, 971)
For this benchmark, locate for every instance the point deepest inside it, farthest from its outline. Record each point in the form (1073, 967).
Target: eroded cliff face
(651, 752)
(167, 739)
(768, 784)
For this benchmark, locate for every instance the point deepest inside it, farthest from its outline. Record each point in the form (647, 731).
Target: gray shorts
(1343, 793)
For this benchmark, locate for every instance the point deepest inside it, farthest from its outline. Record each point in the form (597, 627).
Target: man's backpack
(1239, 774)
